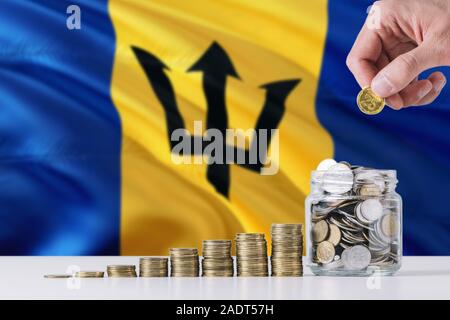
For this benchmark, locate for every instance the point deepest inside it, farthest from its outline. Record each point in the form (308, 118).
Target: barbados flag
(90, 92)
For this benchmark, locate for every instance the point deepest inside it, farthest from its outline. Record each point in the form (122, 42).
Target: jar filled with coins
(354, 221)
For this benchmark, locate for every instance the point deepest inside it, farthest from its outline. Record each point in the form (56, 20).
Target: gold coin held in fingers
(368, 102)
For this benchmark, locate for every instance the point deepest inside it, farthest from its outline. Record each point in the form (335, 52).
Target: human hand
(413, 36)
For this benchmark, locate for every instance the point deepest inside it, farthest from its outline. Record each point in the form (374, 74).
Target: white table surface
(22, 278)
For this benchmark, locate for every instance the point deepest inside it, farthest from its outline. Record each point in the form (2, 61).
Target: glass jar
(354, 222)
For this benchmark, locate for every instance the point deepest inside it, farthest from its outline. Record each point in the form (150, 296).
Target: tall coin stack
(251, 254)
(184, 262)
(153, 267)
(217, 260)
(121, 271)
(287, 250)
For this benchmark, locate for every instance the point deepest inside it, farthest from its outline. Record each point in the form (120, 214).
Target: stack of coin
(251, 255)
(287, 250)
(356, 222)
(184, 262)
(57, 276)
(121, 271)
(217, 260)
(90, 274)
(153, 267)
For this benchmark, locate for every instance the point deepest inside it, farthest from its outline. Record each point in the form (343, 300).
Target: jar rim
(388, 174)
(388, 171)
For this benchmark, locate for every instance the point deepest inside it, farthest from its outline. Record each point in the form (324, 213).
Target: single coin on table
(57, 276)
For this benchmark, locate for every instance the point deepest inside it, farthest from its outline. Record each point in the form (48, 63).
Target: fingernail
(382, 86)
(441, 85)
(422, 93)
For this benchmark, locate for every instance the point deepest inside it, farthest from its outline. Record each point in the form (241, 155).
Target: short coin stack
(184, 262)
(217, 260)
(251, 254)
(89, 274)
(121, 271)
(287, 250)
(153, 267)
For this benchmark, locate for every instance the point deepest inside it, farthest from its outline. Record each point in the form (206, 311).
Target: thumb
(401, 71)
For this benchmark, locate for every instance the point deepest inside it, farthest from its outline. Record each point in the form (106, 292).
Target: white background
(22, 278)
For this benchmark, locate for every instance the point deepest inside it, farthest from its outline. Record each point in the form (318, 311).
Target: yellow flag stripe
(164, 204)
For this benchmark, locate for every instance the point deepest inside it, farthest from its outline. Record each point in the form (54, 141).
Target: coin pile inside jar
(184, 262)
(287, 250)
(355, 224)
(121, 271)
(217, 260)
(153, 267)
(251, 255)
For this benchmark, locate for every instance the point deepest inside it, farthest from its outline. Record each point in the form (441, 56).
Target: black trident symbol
(216, 67)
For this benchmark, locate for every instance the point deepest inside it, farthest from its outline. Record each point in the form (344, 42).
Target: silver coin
(359, 215)
(338, 179)
(357, 258)
(367, 176)
(371, 209)
(326, 164)
(323, 166)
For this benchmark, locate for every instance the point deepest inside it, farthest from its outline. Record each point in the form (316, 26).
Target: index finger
(363, 56)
